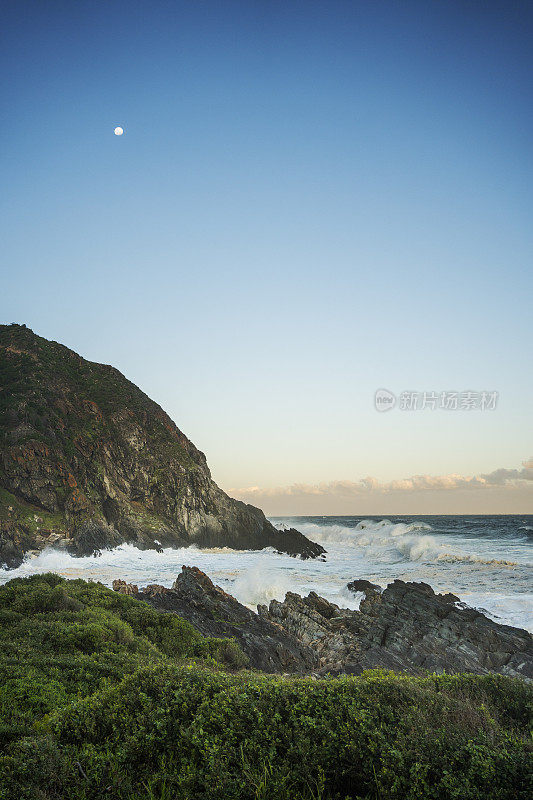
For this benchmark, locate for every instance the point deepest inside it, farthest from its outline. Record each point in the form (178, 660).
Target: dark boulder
(362, 585)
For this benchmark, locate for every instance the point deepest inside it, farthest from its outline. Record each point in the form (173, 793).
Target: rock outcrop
(406, 628)
(88, 461)
(213, 612)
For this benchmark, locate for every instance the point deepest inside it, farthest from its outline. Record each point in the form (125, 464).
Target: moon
(119, 131)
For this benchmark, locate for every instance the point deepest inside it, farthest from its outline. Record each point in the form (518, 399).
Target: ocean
(487, 561)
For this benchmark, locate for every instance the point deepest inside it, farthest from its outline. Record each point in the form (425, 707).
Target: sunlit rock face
(88, 461)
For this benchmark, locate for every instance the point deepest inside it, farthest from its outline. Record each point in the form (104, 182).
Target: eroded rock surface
(213, 612)
(406, 628)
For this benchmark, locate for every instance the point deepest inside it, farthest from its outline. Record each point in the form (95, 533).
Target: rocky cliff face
(407, 628)
(88, 461)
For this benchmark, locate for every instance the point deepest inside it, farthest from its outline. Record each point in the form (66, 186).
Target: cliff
(88, 461)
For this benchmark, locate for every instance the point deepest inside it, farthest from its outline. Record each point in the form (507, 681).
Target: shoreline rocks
(405, 627)
(213, 612)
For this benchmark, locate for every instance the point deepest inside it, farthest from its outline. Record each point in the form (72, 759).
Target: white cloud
(510, 478)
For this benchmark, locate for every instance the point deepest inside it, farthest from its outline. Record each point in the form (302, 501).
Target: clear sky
(310, 201)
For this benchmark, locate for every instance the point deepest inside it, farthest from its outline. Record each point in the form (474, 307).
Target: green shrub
(99, 698)
(196, 734)
(61, 640)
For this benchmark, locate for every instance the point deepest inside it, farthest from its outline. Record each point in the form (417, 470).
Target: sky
(311, 201)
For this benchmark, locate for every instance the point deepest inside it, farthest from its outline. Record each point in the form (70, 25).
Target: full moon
(119, 131)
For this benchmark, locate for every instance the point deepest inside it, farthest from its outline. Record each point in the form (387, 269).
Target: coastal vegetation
(103, 696)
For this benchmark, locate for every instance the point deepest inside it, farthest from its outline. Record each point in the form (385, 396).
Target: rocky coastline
(406, 627)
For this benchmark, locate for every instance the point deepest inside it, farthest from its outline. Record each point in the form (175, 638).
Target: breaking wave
(485, 568)
(454, 558)
(384, 540)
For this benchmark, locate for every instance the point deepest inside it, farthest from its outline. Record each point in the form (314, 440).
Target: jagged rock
(406, 628)
(15, 540)
(213, 612)
(329, 630)
(88, 458)
(122, 587)
(362, 585)
(92, 536)
(20, 538)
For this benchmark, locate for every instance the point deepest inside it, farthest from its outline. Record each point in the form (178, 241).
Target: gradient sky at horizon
(311, 200)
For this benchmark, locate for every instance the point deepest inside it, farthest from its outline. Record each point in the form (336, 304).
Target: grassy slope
(101, 696)
(34, 371)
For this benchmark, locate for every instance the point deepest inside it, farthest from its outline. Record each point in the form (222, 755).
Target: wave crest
(386, 541)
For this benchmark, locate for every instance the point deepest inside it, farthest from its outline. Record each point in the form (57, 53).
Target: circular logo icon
(384, 400)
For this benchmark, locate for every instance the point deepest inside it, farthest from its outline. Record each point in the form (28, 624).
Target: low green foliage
(99, 698)
(61, 640)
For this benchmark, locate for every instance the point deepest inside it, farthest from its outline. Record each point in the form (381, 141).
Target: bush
(196, 734)
(108, 709)
(61, 640)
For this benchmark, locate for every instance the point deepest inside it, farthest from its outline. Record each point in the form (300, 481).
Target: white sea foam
(424, 548)
(258, 585)
(385, 540)
(455, 558)
(392, 528)
(484, 572)
(515, 610)
(348, 599)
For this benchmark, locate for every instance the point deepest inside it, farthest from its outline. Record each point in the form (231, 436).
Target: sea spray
(258, 585)
(485, 561)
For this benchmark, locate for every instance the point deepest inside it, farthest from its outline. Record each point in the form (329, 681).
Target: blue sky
(310, 201)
